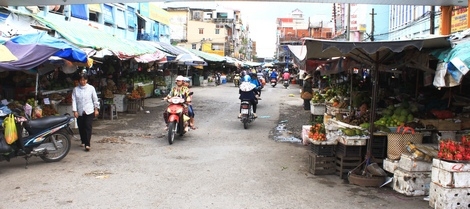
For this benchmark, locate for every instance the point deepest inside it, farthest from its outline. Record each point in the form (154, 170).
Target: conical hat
(247, 86)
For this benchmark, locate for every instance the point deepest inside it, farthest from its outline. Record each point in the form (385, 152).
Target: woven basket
(397, 141)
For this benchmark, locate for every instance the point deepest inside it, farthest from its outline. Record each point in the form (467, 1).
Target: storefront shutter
(79, 11)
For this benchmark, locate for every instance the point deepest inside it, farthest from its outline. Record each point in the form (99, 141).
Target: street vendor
(362, 115)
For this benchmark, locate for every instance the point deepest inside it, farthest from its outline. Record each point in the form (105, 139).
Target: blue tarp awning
(66, 50)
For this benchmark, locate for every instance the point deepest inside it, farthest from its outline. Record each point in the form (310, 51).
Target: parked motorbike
(246, 111)
(217, 79)
(273, 82)
(286, 84)
(236, 80)
(47, 138)
(177, 119)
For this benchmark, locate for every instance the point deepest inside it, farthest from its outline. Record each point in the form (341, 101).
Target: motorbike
(286, 84)
(47, 138)
(178, 121)
(273, 82)
(246, 111)
(217, 79)
(236, 80)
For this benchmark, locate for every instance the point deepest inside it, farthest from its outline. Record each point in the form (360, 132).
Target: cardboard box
(443, 125)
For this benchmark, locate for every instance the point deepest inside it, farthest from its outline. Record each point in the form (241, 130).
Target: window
(93, 16)
(193, 46)
(201, 30)
(217, 31)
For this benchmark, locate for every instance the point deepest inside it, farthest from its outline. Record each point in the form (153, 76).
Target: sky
(261, 18)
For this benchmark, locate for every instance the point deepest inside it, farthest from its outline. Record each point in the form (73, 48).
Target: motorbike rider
(248, 94)
(190, 106)
(273, 75)
(286, 75)
(254, 80)
(177, 91)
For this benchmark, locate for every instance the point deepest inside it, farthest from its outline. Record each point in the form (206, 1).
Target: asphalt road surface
(219, 165)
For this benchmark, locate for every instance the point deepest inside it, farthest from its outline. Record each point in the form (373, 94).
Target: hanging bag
(9, 125)
(397, 141)
(306, 95)
(4, 147)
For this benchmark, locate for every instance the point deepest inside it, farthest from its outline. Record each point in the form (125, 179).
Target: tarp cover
(66, 50)
(29, 56)
(88, 37)
(366, 52)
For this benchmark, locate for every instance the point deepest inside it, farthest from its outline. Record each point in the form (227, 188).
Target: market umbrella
(65, 50)
(6, 55)
(373, 54)
(28, 56)
(190, 59)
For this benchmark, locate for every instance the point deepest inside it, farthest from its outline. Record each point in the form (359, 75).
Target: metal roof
(383, 2)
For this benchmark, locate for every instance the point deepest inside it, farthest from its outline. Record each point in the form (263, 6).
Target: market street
(219, 165)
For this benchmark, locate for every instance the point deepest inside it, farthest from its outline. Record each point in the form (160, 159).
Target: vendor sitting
(362, 115)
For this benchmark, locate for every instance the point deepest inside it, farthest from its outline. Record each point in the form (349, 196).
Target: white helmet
(286, 70)
(179, 78)
(187, 80)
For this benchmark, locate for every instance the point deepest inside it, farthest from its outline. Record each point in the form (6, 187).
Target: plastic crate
(323, 150)
(346, 164)
(350, 151)
(319, 165)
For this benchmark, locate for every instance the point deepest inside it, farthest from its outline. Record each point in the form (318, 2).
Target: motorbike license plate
(244, 111)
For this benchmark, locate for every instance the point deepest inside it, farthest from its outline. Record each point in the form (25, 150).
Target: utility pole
(348, 24)
(431, 18)
(372, 38)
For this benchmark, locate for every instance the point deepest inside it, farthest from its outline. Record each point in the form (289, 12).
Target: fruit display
(134, 95)
(453, 150)
(317, 98)
(48, 110)
(317, 132)
(31, 102)
(141, 91)
(352, 131)
(67, 99)
(396, 116)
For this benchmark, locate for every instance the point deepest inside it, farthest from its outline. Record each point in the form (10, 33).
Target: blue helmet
(247, 78)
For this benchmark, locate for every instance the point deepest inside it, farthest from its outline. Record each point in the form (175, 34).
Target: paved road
(220, 165)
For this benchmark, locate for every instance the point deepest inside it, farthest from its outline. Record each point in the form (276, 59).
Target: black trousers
(84, 123)
(306, 104)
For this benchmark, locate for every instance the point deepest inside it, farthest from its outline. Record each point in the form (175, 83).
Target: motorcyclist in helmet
(177, 91)
(254, 80)
(190, 106)
(286, 75)
(248, 95)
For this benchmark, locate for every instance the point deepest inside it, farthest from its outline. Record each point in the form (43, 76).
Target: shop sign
(158, 14)
(459, 20)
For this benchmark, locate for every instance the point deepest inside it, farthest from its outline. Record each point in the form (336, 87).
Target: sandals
(87, 148)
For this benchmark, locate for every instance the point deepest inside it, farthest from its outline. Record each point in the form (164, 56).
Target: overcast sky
(261, 17)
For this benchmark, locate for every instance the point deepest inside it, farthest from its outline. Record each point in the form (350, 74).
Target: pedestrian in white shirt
(85, 107)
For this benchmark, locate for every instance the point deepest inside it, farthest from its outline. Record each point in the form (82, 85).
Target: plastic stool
(112, 111)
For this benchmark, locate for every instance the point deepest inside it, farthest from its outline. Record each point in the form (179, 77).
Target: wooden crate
(319, 165)
(133, 105)
(346, 164)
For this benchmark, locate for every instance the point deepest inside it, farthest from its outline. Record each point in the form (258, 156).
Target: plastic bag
(9, 125)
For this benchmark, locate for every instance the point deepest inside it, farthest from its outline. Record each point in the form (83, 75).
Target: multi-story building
(291, 30)
(135, 21)
(214, 30)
